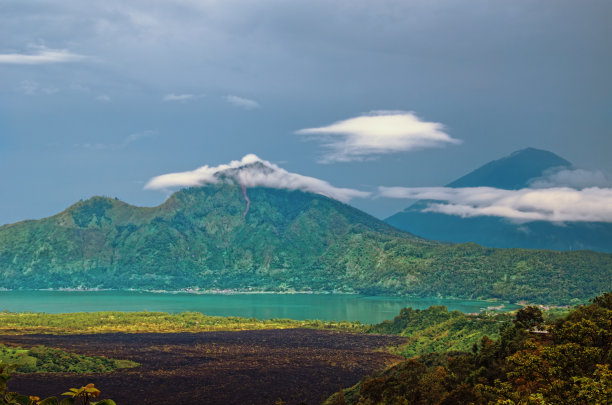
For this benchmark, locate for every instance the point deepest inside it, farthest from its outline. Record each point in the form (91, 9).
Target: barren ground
(246, 367)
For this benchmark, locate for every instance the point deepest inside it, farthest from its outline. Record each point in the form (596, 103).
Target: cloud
(30, 87)
(181, 97)
(49, 90)
(251, 171)
(94, 146)
(79, 87)
(558, 204)
(128, 140)
(137, 136)
(104, 98)
(378, 133)
(42, 55)
(242, 102)
(574, 178)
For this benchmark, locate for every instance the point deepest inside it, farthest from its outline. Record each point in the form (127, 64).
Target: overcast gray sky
(96, 98)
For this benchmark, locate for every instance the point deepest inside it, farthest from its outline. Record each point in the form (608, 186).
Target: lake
(337, 307)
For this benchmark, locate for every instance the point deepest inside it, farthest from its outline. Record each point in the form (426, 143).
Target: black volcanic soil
(246, 367)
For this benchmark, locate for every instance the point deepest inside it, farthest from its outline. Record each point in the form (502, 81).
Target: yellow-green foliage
(142, 322)
(436, 329)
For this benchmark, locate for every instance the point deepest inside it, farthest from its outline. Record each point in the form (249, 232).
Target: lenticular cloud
(251, 171)
(378, 133)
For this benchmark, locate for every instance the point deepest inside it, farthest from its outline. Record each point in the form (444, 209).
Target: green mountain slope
(209, 237)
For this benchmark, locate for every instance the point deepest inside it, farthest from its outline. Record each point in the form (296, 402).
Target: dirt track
(247, 367)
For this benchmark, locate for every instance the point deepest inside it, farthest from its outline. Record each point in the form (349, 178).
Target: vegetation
(288, 240)
(437, 330)
(455, 358)
(143, 322)
(41, 359)
(567, 361)
(84, 395)
(77, 396)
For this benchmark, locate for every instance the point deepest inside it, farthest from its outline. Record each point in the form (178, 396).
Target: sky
(382, 99)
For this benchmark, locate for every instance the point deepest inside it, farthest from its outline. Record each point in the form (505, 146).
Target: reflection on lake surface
(263, 306)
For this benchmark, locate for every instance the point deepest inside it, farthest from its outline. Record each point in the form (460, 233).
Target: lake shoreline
(262, 292)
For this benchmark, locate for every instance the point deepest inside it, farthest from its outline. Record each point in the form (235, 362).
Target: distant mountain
(511, 172)
(225, 236)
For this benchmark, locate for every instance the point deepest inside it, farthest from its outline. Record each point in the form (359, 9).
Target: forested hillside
(436, 329)
(214, 238)
(533, 362)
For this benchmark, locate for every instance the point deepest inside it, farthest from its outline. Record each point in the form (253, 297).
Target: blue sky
(99, 98)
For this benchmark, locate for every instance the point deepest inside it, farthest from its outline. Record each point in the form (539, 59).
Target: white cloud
(30, 87)
(128, 140)
(181, 97)
(558, 204)
(574, 178)
(79, 87)
(49, 90)
(94, 146)
(137, 136)
(251, 171)
(104, 98)
(377, 133)
(42, 55)
(242, 102)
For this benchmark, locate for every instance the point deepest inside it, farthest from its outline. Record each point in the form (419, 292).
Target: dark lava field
(245, 367)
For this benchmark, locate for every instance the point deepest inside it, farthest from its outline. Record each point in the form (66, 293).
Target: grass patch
(150, 322)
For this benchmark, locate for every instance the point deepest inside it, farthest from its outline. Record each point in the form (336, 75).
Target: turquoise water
(263, 306)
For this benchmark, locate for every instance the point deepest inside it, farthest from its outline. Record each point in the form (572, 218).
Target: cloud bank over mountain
(572, 177)
(378, 133)
(251, 171)
(555, 204)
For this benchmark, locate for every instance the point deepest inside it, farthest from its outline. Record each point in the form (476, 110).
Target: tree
(529, 317)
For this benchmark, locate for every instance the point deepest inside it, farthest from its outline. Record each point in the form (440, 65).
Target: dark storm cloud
(232, 42)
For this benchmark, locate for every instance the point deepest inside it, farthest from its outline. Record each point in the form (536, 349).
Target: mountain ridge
(288, 241)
